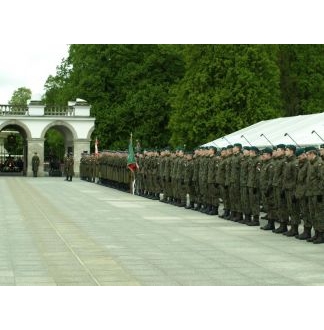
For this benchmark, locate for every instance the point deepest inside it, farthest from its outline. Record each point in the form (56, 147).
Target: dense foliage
(187, 94)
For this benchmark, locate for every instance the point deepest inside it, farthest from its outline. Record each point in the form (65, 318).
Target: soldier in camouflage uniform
(212, 196)
(302, 201)
(234, 188)
(202, 179)
(167, 193)
(280, 201)
(289, 186)
(244, 192)
(314, 192)
(266, 188)
(253, 184)
(220, 180)
(139, 174)
(195, 179)
(182, 192)
(229, 155)
(188, 175)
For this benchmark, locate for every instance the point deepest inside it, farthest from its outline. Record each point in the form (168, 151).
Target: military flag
(96, 147)
(131, 161)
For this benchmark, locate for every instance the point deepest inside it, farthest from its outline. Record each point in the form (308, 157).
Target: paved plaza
(54, 232)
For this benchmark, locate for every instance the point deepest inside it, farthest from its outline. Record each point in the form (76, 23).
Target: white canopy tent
(298, 130)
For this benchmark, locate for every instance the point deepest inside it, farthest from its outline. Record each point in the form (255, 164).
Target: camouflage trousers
(269, 203)
(293, 209)
(225, 196)
(317, 204)
(203, 190)
(280, 205)
(235, 197)
(254, 201)
(245, 200)
(167, 189)
(212, 197)
(303, 207)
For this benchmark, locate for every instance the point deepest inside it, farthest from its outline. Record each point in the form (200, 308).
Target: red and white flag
(96, 147)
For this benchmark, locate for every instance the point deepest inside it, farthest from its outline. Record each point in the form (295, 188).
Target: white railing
(23, 110)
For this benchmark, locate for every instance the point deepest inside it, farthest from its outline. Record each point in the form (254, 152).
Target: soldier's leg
(245, 204)
(269, 202)
(319, 220)
(293, 212)
(304, 211)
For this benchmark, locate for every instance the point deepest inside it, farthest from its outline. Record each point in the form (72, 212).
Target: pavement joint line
(64, 241)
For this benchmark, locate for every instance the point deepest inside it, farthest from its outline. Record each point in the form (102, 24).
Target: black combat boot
(281, 229)
(265, 217)
(293, 231)
(224, 214)
(239, 217)
(306, 234)
(246, 220)
(311, 239)
(319, 239)
(214, 210)
(190, 206)
(197, 207)
(255, 221)
(269, 226)
(182, 204)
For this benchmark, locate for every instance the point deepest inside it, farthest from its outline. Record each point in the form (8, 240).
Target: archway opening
(54, 151)
(13, 150)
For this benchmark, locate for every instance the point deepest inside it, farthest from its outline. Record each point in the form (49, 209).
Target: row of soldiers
(288, 183)
(108, 168)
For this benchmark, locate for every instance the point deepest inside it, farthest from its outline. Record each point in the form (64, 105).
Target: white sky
(31, 49)
(27, 66)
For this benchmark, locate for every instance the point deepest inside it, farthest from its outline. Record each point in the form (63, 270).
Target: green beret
(310, 148)
(274, 148)
(281, 146)
(291, 147)
(229, 147)
(322, 146)
(254, 149)
(238, 145)
(224, 148)
(267, 150)
(300, 151)
(247, 148)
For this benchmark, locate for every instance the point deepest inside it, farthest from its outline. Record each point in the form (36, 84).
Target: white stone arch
(90, 132)
(20, 124)
(65, 128)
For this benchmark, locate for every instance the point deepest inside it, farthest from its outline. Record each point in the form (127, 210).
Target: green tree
(225, 88)
(302, 78)
(20, 96)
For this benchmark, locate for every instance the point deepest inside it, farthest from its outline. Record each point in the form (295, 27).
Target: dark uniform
(289, 188)
(302, 200)
(314, 192)
(253, 184)
(266, 188)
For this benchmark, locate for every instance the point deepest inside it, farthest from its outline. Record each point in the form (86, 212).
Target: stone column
(80, 146)
(35, 145)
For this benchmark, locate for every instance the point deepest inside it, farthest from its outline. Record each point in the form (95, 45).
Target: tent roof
(298, 128)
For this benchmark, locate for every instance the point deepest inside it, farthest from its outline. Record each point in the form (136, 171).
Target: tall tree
(20, 96)
(225, 88)
(302, 78)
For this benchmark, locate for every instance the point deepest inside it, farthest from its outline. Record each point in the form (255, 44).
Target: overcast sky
(28, 66)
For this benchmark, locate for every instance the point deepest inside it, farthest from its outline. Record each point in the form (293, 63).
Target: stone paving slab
(54, 232)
